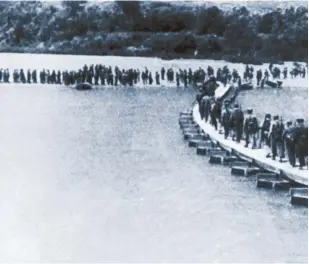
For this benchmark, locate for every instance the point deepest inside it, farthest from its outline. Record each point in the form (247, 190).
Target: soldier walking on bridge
(276, 136)
(237, 120)
(289, 139)
(225, 119)
(251, 128)
(301, 142)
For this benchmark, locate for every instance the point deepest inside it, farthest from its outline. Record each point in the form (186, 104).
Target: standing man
(265, 129)
(162, 73)
(225, 119)
(276, 136)
(251, 128)
(289, 139)
(216, 113)
(301, 142)
(237, 121)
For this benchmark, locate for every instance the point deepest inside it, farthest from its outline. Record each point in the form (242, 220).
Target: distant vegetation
(167, 30)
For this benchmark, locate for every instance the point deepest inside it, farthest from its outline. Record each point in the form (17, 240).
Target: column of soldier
(289, 139)
(103, 75)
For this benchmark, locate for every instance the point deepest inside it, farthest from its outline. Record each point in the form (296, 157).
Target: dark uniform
(225, 120)
(28, 76)
(301, 142)
(289, 139)
(162, 73)
(215, 113)
(251, 128)
(259, 77)
(237, 120)
(276, 136)
(157, 78)
(264, 138)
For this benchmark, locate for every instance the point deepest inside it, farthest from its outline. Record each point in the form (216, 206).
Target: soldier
(15, 76)
(116, 77)
(53, 77)
(22, 76)
(28, 76)
(215, 113)
(276, 136)
(150, 79)
(42, 77)
(285, 72)
(34, 77)
(210, 71)
(289, 139)
(270, 67)
(7, 75)
(177, 79)
(96, 75)
(102, 78)
(251, 128)
(237, 120)
(48, 77)
(131, 77)
(144, 78)
(206, 107)
(59, 77)
(157, 78)
(258, 77)
(225, 119)
(301, 142)
(199, 101)
(162, 73)
(264, 139)
(303, 71)
(190, 76)
(266, 75)
(185, 78)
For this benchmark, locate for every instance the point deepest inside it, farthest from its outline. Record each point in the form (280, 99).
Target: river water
(105, 176)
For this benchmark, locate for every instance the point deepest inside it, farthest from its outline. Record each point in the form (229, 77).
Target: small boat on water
(273, 84)
(83, 86)
(246, 86)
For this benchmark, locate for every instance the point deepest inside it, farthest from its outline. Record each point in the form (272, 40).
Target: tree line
(159, 28)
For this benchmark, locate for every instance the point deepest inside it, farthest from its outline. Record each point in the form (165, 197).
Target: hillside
(242, 32)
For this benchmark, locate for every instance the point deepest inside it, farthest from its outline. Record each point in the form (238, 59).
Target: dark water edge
(104, 175)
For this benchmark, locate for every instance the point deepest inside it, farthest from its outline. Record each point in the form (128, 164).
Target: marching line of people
(106, 75)
(290, 139)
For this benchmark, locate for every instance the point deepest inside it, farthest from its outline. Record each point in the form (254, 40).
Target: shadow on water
(105, 175)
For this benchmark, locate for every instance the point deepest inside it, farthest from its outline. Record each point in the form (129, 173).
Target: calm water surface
(105, 175)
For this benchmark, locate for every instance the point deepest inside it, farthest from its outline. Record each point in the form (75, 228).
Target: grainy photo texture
(154, 131)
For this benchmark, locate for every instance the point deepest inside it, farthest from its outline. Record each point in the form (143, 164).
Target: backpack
(252, 124)
(266, 125)
(226, 116)
(277, 131)
(289, 137)
(237, 115)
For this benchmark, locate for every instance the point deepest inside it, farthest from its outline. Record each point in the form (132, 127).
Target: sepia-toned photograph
(154, 131)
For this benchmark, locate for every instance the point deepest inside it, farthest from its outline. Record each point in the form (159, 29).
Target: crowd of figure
(289, 139)
(106, 75)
